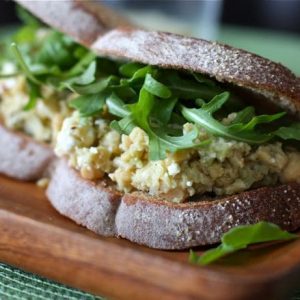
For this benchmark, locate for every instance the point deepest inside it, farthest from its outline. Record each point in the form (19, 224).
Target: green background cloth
(283, 48)
(19, 285)
(16, 284)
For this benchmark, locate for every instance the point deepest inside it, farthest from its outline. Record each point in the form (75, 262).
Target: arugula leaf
(34, 94)
(156, 88)
(203, 79)
(129, 69)
(240, 238)
(23, 64)
(245, 115)
(58, 49)
(26, 34)
(187, 88)
(88, 105)
(80, 66)
(159, 142)
(10, 75)
(162, 110)
(125, 92)
(98, 86)
(142, 109)
(138, 75)
(292, 132)
(259, 120)
(244, 132)
(216, 103)
(124, 126)
(116, 106)
(87, 77)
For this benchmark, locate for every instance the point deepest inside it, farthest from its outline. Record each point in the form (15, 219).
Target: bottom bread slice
(91, 204)
(157, 224)
(21, 157)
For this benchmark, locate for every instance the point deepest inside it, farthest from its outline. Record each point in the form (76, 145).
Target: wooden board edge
(72, 260)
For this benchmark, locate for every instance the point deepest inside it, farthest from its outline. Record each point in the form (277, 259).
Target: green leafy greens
(88, 105)
(140, 114)
(240, 238)
(156, 100)
(243, 127)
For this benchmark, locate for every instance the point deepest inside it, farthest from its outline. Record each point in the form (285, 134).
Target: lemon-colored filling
(222, 167)
(43, 121)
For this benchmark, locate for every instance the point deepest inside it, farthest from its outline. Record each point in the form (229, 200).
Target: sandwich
(164, 140)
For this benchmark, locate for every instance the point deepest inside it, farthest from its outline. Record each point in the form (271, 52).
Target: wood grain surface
(36, 238)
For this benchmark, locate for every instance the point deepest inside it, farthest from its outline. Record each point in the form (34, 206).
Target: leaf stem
(23, 64)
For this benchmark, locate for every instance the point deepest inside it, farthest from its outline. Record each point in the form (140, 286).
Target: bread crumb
(43, 183)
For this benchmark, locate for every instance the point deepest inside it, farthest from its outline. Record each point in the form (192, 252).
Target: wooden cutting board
(36, 238)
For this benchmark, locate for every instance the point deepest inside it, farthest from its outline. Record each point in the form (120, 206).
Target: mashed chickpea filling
(222, 167)
(41, 122)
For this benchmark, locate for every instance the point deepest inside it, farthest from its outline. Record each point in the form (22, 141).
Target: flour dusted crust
(92, 25)
(138, 217)
(167, 226)
(92, 204)
(21, 157)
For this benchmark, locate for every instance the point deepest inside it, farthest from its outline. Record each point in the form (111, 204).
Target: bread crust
(163, 225)
(92, 25)
(178, 226)
(91, 204)
(21, 157)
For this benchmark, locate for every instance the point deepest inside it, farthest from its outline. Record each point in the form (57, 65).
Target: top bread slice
(138, 217)
(107, 34)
